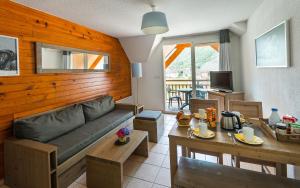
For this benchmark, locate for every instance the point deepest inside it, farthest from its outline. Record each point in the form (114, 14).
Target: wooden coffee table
(105, 160)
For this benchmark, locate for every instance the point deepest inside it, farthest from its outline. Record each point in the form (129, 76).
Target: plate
(256, 140)
(210, 134)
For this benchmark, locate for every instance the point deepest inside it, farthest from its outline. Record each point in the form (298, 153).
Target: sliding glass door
(178, 75)
(186, 68)
(206, 60)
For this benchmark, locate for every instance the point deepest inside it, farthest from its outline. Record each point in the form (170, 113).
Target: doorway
(186, 70)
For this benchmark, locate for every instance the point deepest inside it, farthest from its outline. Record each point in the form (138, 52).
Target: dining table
(281, 153)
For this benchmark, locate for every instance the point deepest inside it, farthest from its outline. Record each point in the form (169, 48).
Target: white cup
(197, 125)
(202, 113)
(248, 134)
(203, 128)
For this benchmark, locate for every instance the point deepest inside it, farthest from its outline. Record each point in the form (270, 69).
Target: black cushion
(97, 108)
(51, 125)
(149, 115)
(73, 142)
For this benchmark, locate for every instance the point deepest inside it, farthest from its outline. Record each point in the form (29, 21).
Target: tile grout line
(147, 180)
(159, 166)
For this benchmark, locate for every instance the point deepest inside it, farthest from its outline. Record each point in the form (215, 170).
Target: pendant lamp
(154, 22)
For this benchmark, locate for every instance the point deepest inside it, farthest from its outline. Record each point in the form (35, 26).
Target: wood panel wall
(41, 92)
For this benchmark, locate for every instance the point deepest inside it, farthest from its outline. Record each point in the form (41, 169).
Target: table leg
(188, 150)
(186, 96)
(143, 148)
(281, 170)
(173, 159)
(107, 173)
(183, 151)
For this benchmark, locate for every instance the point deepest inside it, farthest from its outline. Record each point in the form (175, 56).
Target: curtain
(224, 50)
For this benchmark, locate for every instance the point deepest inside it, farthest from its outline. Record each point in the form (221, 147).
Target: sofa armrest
(130, 107)
(30, 145)
(23, 157)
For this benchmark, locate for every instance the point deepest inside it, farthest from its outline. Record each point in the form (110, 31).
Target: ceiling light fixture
(154, 22)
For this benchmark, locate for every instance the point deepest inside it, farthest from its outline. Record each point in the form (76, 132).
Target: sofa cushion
(76, 140)
(111, 120)
(97, 108)
(71, 143)
(51, 125)
(149, 115)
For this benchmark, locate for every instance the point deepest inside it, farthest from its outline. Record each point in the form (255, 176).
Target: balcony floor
(174, 107)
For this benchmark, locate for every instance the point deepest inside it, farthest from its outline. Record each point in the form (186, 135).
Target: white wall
(138, 48)
(276, 87)
(152, 84)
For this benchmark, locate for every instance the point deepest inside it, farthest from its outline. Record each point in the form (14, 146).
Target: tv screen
(221, 80)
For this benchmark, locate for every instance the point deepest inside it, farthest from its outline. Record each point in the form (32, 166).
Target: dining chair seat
(177, 99)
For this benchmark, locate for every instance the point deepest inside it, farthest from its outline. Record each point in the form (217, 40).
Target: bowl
(184, 120)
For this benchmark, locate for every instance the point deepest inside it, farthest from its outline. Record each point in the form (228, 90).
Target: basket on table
(184, 120)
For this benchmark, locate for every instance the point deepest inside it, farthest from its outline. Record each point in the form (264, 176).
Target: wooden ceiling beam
(215, 46)
(175, 54)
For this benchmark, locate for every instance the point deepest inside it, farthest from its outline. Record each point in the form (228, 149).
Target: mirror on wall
(58, 59)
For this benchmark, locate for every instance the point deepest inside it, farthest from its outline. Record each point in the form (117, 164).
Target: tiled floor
(154, 171)
(174, 107)
(151, 172)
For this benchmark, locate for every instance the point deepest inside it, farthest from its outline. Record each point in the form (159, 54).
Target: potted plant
(123, 135)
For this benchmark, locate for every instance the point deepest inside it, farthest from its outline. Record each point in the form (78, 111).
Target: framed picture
(9, 56)
(273, 47)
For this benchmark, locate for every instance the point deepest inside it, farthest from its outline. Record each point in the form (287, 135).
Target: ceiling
(122, 18)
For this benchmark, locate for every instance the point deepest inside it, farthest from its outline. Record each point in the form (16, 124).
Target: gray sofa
(73, 129)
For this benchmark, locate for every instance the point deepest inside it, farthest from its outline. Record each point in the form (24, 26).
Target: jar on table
(211, 116)
(274, 118)
(281, 127)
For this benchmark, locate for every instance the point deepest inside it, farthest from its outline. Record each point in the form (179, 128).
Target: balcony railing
(175, 85)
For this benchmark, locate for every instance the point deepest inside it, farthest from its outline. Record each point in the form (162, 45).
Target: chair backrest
(249, 109)
(195, 104)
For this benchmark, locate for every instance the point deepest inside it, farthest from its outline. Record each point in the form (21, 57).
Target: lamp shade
(136, 69)
(154, 22)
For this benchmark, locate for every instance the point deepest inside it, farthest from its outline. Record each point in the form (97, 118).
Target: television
(221, 80)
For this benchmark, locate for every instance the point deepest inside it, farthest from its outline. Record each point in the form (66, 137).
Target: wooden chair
(251, 109)
(173, 95)
(195, 104)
